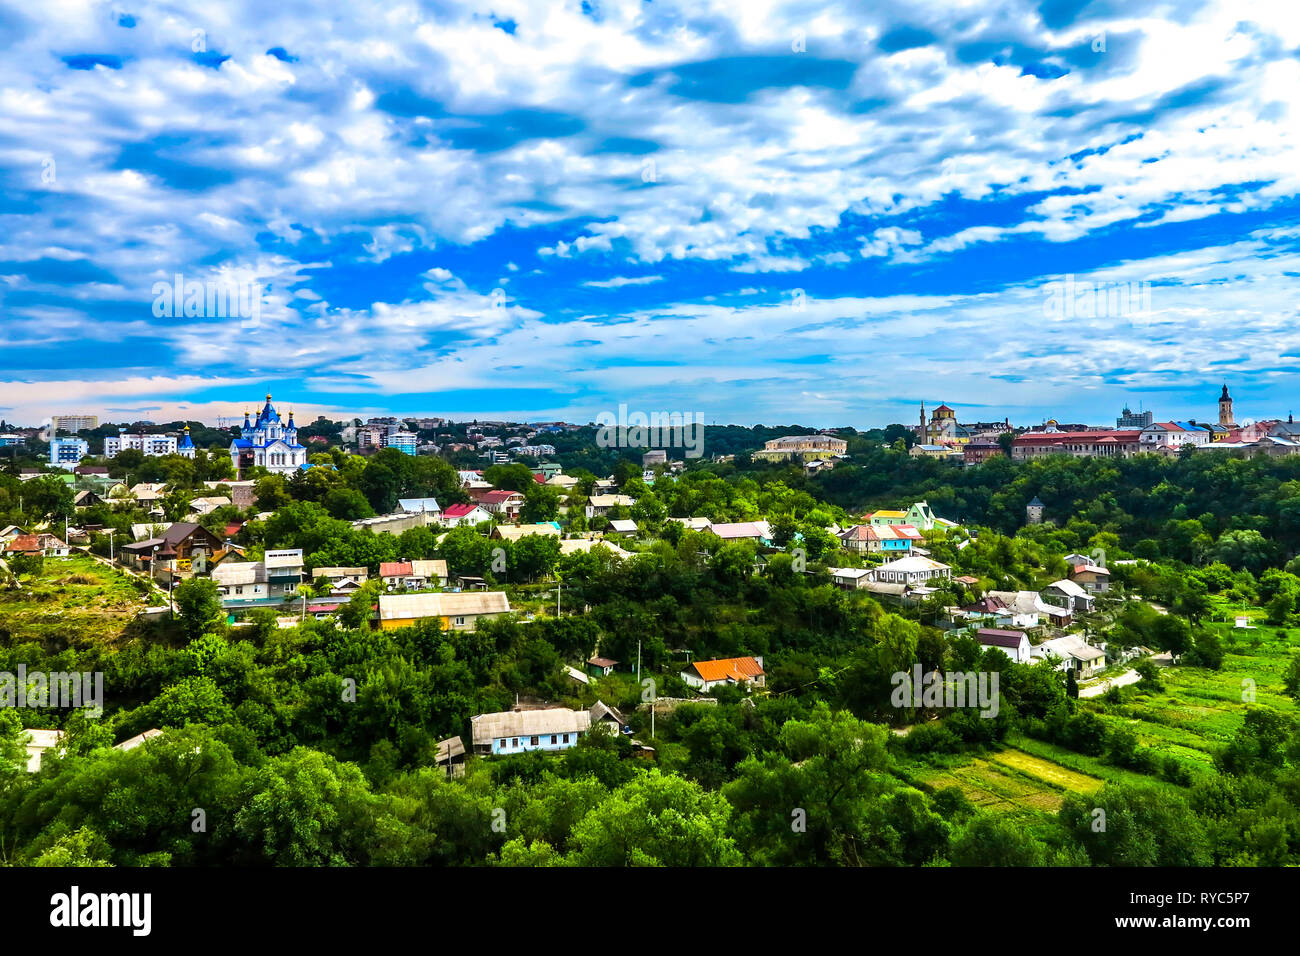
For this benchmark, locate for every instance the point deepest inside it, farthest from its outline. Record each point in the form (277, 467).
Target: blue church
(268, 443)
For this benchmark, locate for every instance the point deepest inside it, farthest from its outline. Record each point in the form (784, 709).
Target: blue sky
(769, 212)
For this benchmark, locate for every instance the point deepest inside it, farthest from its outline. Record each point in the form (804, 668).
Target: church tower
(1225, 408)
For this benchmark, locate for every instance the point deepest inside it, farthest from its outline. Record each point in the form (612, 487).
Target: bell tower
(1225, 408)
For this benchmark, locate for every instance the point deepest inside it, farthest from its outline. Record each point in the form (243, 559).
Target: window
(566, 738)
(460, 622)
(514, 742)
(553, 739)
(534, 741)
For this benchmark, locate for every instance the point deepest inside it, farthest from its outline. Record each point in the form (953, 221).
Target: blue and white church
(268, 443)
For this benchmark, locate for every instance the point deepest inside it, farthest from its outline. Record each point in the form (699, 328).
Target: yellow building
(458, 611)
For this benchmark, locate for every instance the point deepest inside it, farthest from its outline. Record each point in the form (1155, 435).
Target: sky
(755, 212)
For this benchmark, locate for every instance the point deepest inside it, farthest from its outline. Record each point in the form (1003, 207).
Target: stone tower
(1225, 408)
(1034, 511)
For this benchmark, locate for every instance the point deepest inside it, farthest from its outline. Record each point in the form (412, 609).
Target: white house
(455, 515)
(518, 731)
(1015, 644)
(1072, 653)
(706, 675)
(911, 570)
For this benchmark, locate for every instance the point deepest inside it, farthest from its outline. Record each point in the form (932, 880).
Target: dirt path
(1099, 688)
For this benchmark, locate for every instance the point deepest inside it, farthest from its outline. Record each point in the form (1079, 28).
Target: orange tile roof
(736, 668)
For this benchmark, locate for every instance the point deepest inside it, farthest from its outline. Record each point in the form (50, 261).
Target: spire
(1224, 397)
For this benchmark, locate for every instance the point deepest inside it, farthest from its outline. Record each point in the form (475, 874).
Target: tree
(1136, 826)
(198, 607)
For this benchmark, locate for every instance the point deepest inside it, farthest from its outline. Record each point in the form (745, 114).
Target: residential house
(850, 579)
(518, 731)
(502, 504)
(706, 675)
(1069, 595)
(457, 611)
(599, 505)
(604, 715)
(1015, 644)
(506, 532)
(39, 741)
(1072, 653)
(455, 515)
(694, 524)
(413, 575)
(911, 570)
(1024, 608)
(342, 580)
(623, 526)
(759, 531)
(1093, 578)
(284, 571)
(420, 506)
(43, 544)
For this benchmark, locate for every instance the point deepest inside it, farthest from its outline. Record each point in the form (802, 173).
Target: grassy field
(1009, 780)
(72, 601)
(1200, 710)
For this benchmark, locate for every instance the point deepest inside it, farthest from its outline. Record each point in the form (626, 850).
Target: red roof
(457, 511)
(394, 569)
(33, 543)
(495, 496)
(988, 635)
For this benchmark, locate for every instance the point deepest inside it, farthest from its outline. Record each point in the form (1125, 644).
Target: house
(472, 514)
(451, 755)
(342, 580)
(706, 675)
(284, 571)
(518, 731)
(601, 666)
(419, 506)
(457, 611)
(9, 532)
(1015, 644)
(505, 532)
(413, 575)
(599, 505)
(577, 676)
(604, 715)
(240, 582)
(563, 482)
(759, 531)
(1094, 578)
(203, 506)
(880, 539)
(1072, 653)
(502, 504)
(850, 579)
(175, 549)
(1024, 608)
(45, 545)
(1068, 595)
(39, 741)
(911, 570)
(623, 526)
(86, 499)
(694, 524)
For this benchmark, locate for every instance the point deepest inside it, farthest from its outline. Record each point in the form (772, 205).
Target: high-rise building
(74, 423)
(1132, 419)
(68, 452)
(151, 446)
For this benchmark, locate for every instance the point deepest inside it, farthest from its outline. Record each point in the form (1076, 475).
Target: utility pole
(638, 661)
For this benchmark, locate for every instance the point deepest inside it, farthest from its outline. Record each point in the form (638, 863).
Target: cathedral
(268, 443)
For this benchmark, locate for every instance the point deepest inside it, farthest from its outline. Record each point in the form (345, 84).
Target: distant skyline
(763, 212)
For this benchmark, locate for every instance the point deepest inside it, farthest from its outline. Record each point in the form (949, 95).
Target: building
(1225, 408)
(185, 447)
(706, 675)
(267, 443)
(1093, 578)
(601, 666)
(656, 456)
(39, 741)
(44, 545)
(1015, 644)
(978, 452)
(12, 441)
(1072, 653)
(73, 423)
(420, 506)
(451, 756)
(518, 731)
(457, 611)
(501, 504)
(68, 452)
(875, 539)
(911, 570)
(942, 429)
(759, 531)
(457, 515)
(413, 575)
(1034, 511)
(806, 446)
(403, 441)
(1129, 419)
(599, 505)
(1093, 443)
(175, 549)
(850, 579)
(151, 446)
